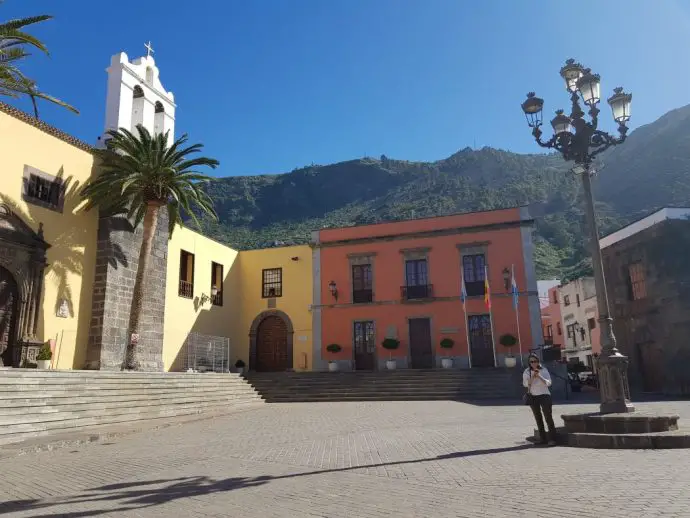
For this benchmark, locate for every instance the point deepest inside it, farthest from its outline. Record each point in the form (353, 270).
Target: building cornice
(45, 127)
(426, 233)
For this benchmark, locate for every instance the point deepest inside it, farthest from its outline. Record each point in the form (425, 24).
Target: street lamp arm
(601, 141)
(550, 144)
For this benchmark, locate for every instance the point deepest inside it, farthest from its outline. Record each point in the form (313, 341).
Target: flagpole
(491, 313)
(517, 315)
(463, 296)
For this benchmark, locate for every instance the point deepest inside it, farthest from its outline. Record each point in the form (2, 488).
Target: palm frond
(139, 168)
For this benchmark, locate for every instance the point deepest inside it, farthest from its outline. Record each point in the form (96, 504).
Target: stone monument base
(621, 431)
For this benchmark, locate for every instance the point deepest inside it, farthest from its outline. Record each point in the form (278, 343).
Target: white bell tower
(136, 96)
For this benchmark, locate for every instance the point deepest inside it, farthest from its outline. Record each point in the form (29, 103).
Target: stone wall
(117, 260)
(654, 331)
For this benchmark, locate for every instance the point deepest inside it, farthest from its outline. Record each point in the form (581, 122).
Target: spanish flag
(487, 291)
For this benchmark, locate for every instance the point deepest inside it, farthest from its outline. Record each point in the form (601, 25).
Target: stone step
(8, 384)
(65, 398)
(106, 403)
(631, 441)
(106, 409)
(45, 429)
(378, 397)
(22, 391)
(25, 392)
(7, 372)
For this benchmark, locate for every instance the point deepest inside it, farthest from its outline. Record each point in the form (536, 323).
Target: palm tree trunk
(150, 225)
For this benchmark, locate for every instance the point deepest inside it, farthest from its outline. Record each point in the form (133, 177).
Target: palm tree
(13, 48)
(140, 175)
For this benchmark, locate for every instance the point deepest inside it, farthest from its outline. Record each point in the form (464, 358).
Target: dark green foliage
(508, 340)
(333, 348)
(44, 353)
(447, 343)
(649, 171)
(390, 343)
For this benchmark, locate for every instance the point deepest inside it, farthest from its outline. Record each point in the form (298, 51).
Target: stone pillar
(117, 260)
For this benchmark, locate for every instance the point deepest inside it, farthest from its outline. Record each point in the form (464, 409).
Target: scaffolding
(206, 353)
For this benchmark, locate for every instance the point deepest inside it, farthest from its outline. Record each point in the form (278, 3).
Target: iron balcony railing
(217, 299)
(423, 291)
(362, 296)
(186, 289)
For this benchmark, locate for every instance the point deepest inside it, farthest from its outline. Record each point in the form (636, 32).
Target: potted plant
(239, 365)
(447, 343)
(391, 344)
(509, 341)
(333, 349)
(43, 357)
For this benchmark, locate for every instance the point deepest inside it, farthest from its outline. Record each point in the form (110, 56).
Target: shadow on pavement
(131, 496)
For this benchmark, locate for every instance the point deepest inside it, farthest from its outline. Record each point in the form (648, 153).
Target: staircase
(35, 403)
(399, 385)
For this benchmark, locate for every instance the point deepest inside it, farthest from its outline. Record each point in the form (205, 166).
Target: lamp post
(580, 141)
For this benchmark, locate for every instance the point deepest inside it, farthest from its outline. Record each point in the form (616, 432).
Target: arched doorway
(270, 342)
(9, 295)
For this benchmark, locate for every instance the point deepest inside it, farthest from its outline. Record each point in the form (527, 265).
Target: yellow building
(253, 305)
(274, 308)
(47, 250)
(66, 275)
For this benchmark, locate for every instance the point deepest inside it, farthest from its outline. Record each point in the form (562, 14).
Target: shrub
(507, 340)
(239, 364)
(333, 348)
(447, 343)
(390, 343)
(44, 353)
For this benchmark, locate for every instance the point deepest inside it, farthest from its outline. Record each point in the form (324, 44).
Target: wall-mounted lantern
(333, 289)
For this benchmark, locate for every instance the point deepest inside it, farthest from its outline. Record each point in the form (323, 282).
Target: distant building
(551, 321)
(648, 279)
(579, 320)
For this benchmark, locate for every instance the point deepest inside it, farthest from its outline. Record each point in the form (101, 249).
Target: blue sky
(270, 85)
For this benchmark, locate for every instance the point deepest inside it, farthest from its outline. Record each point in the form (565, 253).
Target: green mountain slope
(651, 170)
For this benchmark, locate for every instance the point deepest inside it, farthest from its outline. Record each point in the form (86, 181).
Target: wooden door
(271, 345)
(481, 342)
(8, 315)
(421, 351)
(364, 341)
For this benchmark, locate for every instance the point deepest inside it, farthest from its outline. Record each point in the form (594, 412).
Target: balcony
(421, 292)
(362, 296)
(217, 299)
(548, 341)
(186, 289)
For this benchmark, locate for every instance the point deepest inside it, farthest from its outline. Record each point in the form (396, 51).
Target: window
(571, 331)
(549, 331)
(186, 287)
(362, 284)
(416, 280)
(583, 334)
(559, 329)
(590, 362)
(364, 338)
(591, 324)
(577, 299)
(555, 297)
(272, 283)
(637, 287)
(474, 271)
(217, 283)
(43, 191)
(566, 300)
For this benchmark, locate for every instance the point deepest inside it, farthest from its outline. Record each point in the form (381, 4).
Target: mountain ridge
(649, 171)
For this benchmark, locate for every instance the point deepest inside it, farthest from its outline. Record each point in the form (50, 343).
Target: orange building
(403, 280)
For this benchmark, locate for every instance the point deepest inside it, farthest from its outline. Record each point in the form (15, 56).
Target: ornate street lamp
(580, 141)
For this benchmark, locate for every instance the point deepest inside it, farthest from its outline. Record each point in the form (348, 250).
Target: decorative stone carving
(23, 254)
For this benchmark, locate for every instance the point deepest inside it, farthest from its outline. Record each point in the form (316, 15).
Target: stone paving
(359, 460)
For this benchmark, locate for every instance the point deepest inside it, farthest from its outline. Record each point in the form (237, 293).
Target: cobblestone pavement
(354, 460)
